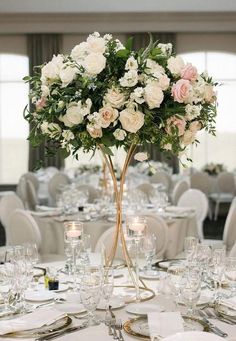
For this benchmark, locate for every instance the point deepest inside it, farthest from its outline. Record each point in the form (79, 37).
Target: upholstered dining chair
(31, 177)
(180, 187)
(93, 193)
(163, 178)
(201, 181)
(156, 225)
(226, 191)
(22, 229)
(198, 200)
(8, 204)
(57, 181)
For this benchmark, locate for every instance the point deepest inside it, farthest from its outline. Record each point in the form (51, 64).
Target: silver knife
(214, 329)
(60, 333)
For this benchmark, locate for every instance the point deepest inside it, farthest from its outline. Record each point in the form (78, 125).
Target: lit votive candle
(73, 233)
(137, 227)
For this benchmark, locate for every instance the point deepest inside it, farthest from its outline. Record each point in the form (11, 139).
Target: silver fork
(214, 314)
(113, 324)
(119, 327)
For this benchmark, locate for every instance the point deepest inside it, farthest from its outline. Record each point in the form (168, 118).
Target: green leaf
(123, 53)
(129, 43)
(106, 150)
(64, 153)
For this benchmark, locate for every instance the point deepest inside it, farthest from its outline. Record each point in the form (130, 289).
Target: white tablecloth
(52, 232)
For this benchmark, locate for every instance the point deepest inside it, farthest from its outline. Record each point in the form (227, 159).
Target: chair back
(8, 204)
(159, 228)
(32, 199)
(226, 182)
(229, 234)
(31, 177)
(105, 240)
(57, 181)
(23, 229)
(180, 187)
(92, 192)
(162, 178)
(198, 200)
(201, 181)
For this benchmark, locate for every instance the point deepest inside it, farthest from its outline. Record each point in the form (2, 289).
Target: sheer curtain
(140, 40)
(41, 48)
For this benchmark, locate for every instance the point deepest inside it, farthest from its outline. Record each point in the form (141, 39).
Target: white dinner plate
(115, 303)
(193, 336)
(62, 287)
(144, 308)
(71, 308)
(40, 296)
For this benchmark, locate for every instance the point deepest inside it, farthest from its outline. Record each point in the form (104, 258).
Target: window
(222, 148)
(13, 127)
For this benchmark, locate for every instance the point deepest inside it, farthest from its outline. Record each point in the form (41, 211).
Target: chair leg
(216, 210)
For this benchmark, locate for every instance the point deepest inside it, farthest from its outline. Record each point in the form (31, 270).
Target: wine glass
(107, 287)
(191, 290)
(190, 244)
(217, 270)
(230, 274)
(148, 247)
(174, 275)
(85, 249)
(90, 292)
(5, 286)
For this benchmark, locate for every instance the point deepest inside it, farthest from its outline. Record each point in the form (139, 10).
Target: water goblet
(217, 270)
(230, 274)
(190, 244)
(175, 275)
(191, 290)
(90, 292)
(148, 247)
(107, 287)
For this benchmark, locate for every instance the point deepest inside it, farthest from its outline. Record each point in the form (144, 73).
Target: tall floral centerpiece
(106, 95)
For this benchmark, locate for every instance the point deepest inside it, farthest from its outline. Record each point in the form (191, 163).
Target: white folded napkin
(177, 209)
(33, 320)
(164, 324)
(229, 302)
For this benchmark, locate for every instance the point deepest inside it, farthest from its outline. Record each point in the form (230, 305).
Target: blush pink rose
(189, 72)
(181, 90)
(175, 122)
(40, 104)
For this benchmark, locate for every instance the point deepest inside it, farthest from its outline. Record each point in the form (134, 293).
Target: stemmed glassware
(148, 248)
(190, 244)
(191, 290)
(217, 270)
(107, 287)
(73, 237)
(5, 286)
(136, 227)
(175, 278)
(90, 292)
(230, 274)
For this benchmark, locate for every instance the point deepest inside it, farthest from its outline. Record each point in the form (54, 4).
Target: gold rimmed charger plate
(129, 326)
(58, 325)
(147, 293)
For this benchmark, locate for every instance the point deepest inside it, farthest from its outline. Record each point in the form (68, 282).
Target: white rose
(49, 72)
(152, 67)
(93, 131)
(67, 75)
(141, 156)
(165, 48)
(175, 65)
(120, 134)
(73, 115)
(107, 116)
(153, 95)
(114, 97)
(68, 135)
(79, 52)
(188, 137)
(131, 64)
(162, 80)
(94, 63)
(137, 95)
(192, 111)
(96, 44)
(131, 121)
(45, 90)
(130, 79)
(195, 126)
(84, 108)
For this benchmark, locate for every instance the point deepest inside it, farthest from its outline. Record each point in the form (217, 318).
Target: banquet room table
(52, 229)
(100, 332)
